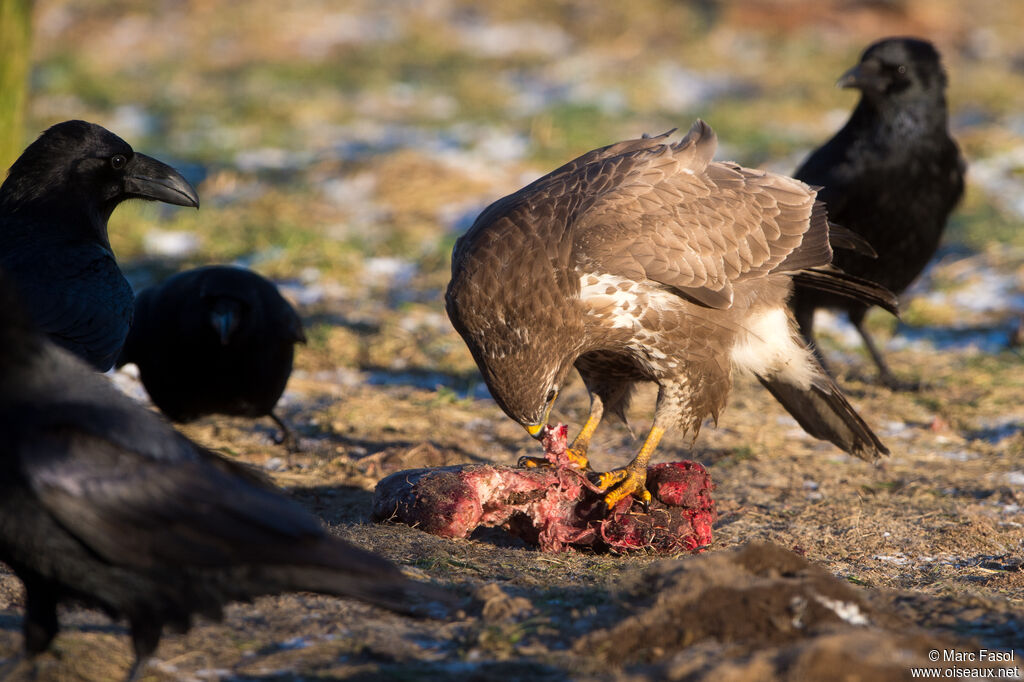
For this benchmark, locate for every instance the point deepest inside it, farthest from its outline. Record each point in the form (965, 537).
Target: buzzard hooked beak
(537, 430)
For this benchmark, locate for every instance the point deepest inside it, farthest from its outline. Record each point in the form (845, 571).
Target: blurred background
(341, 146)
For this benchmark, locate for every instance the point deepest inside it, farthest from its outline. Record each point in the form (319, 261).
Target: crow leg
(40, 625)
(145, 638)
(287, 437)
(885, 375)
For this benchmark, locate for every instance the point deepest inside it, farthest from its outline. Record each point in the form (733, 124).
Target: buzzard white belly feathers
(767, 347)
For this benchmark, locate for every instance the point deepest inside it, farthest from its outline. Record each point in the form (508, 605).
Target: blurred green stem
(15, 47)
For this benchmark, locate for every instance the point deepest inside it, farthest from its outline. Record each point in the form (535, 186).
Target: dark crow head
(898, 69)
(82, 166)
(230, 301)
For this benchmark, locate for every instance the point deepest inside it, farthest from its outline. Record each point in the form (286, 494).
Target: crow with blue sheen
(54, 208)
(892, 175)
(103, 504)
(215, 340)
(647, 261)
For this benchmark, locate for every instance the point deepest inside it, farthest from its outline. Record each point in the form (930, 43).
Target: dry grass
(328, 135)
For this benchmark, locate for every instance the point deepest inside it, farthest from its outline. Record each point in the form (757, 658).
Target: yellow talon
(578, 457)
(626, 482)
(610, 478)
(526, 462)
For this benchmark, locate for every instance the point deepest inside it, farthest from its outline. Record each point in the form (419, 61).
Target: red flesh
(552, 507)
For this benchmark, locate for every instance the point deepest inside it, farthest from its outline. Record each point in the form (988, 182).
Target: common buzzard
(646, 261)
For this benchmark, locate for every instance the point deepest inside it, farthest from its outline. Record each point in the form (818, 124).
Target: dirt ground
(868, 568)
(341, 146)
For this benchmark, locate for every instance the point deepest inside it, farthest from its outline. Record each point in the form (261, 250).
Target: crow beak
(851, 79)
(864, 76)
(148, 178)
(223, 323)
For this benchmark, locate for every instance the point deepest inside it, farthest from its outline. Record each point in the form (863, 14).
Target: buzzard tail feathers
(824, 412)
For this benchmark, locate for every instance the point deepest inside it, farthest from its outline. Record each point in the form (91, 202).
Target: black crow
(892, 175)
(54, 207)
(102, 503)
(214, 340)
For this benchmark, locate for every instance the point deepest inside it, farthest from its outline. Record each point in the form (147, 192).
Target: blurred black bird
(102, 503)
(54, 207)
(215, 340)
(893, 174)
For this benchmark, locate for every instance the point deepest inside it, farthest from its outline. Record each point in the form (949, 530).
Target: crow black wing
(76, 295)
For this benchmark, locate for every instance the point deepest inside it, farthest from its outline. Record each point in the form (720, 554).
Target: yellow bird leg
(631, 479)
(577, 452)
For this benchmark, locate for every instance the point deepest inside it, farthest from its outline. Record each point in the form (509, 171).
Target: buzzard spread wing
(669, 215)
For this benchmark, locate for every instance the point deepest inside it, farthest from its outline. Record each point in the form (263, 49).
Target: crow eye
(551, 395)
(901, 69)
(118, 161)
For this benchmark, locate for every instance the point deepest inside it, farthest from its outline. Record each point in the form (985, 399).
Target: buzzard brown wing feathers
(674, 217)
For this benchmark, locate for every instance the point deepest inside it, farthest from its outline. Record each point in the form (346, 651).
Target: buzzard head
(523, 380)
(522, 350)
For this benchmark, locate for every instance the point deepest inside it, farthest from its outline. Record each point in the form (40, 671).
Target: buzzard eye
(551, 395)
(118, 161)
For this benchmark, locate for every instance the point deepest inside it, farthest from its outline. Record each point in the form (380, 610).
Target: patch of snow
(847, 611)
(503, 146)
(294, 643)
(131, 122)
(956, 455)
(896, 429)
(682, 89)
(350, 189)
(1000, 177)
(459, 217)
(272, 159)
(170, 243)
(1014, 477)
(944, 339)
(301, 294)
(998, 428)
(838, 327)
(395, 272)
(257, 257)
(507, 39)
(319, 38)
